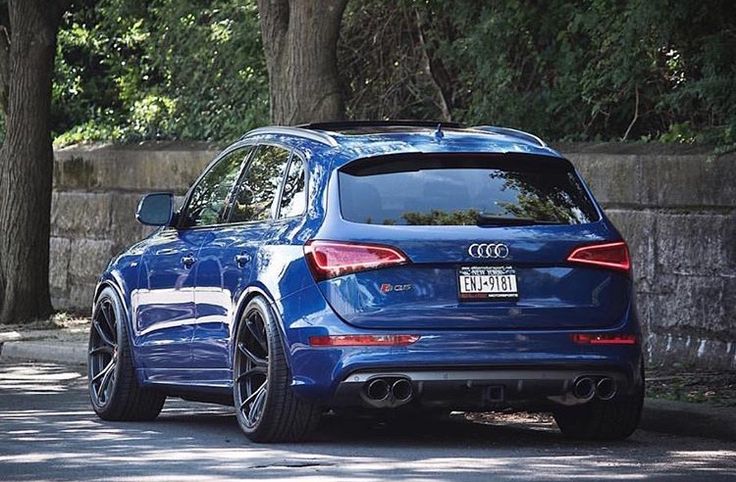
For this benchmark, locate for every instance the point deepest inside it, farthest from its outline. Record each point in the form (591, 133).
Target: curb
(68, 354)
(689, 419)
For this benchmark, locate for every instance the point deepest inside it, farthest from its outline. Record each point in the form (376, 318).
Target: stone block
(131, 168)
(613, 179)
(59, 251)
(88, 259)
(61, 302)
(694, 305)
(173, 171)
(696, 244)
(80, 214)
(689, 182)
(80, 297)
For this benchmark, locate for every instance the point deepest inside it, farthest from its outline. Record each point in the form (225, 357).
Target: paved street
(48, 431)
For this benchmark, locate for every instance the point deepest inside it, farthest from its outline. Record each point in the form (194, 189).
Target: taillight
(607, 255)
(328, 259)
(589, 339)
(363, 340)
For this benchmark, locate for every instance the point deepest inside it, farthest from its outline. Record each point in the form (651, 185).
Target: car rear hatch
(467, 241)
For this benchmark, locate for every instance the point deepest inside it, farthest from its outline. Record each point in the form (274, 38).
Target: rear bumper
(450, 368)
(465, 370)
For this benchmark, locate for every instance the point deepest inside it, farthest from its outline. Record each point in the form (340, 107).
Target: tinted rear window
(458, 192)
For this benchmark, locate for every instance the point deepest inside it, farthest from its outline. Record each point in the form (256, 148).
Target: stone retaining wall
(678, 214)
(96, 191)
(677, 211)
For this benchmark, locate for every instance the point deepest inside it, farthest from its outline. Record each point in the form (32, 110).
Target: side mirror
(156, 209)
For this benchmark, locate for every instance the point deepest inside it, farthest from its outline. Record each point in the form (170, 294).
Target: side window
(294, 198)
(257, 188)
(210, 196)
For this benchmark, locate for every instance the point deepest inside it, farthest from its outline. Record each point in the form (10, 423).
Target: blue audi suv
(394, 267)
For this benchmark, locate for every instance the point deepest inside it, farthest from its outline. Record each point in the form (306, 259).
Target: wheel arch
(113, 284)
(246, 296)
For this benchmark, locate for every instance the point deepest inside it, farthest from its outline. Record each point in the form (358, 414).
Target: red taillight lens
(363, 340)
(588, 339)
(328, 259)
(608, 255)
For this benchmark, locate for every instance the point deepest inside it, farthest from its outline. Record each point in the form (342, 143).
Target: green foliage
(134, 69)
(660, 70)
(587, 70)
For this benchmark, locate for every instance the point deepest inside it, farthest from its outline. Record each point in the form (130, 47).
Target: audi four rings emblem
(488, 250)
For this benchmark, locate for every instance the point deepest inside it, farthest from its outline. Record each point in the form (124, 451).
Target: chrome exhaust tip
(606, 388)
(402, 390)
(377, 389)
(584, 388)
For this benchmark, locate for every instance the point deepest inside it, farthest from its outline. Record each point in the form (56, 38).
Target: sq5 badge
(388, 288)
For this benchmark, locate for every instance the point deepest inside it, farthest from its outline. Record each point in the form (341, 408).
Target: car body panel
(163, 303)
(220, 280)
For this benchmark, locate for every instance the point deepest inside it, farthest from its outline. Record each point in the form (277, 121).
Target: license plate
(487, 283)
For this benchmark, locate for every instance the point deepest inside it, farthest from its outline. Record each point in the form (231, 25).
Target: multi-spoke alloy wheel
(266, 407)
(113, 387)
(251, 368)
(103, 352)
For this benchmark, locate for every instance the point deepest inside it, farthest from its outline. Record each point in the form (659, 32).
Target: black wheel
(613, 419)
(113, 388)
(267, 409)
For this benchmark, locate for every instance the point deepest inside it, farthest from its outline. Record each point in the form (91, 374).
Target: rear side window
(294, 196)
(462, 192)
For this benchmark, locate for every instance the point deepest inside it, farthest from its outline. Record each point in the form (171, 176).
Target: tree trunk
(300, 43)
(26, 162)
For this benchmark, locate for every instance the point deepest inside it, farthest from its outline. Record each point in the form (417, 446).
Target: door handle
(242, 259)
(188, 260)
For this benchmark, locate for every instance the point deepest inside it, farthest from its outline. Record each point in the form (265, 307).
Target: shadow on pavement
(49, 432)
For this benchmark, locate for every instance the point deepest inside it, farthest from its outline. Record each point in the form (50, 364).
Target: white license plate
(479, 283)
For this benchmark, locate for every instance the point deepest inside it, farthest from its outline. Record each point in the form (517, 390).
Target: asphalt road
(48, 431)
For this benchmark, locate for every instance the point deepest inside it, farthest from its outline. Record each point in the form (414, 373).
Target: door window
(294, 199)
(211, 194)
(257, 188)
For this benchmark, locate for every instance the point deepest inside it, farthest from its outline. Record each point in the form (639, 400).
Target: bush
(589, 70)
(134, 69)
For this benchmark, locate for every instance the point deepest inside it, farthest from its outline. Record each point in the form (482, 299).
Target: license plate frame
(487, 283)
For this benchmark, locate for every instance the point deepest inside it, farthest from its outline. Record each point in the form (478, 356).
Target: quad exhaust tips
(585, 388)
(388, 392)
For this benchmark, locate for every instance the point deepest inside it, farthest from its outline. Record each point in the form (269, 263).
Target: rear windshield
(453, 192)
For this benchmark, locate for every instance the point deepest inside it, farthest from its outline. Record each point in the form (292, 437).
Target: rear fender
(248, 294)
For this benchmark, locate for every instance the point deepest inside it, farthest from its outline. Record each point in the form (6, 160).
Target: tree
(300, 43)
(28, 46)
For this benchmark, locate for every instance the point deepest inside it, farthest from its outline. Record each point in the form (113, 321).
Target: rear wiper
(483, 219)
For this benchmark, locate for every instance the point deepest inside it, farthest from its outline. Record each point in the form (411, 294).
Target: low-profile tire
(114, 390)
(614, 419)
(266, 407)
